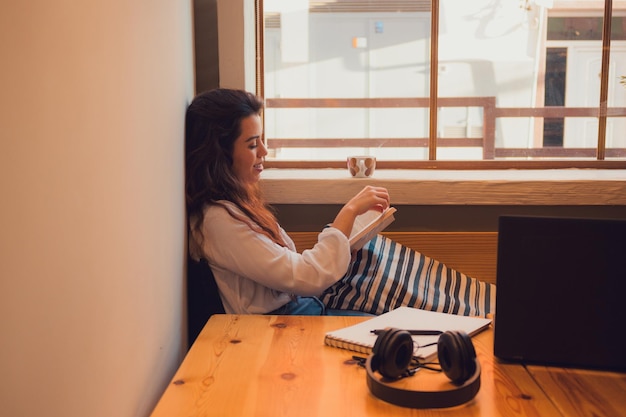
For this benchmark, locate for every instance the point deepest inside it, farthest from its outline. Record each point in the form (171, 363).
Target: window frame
(600, 161)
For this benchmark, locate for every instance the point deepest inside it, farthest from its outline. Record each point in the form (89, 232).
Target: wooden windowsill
(449, 187)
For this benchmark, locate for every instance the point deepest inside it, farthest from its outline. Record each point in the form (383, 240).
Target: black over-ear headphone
(392, 353)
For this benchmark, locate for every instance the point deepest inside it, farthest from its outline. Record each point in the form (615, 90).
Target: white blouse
(255, 275)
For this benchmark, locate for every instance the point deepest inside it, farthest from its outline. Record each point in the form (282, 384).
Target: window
(451, 83)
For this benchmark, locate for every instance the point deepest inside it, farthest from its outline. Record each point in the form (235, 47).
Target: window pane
(542, 68)
(347, 50)
(575, 44)
(484, 57)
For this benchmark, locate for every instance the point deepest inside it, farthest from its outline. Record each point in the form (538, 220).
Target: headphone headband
(423, 399)
(456, 356)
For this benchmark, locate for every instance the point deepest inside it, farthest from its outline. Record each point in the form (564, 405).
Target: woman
(255, 264)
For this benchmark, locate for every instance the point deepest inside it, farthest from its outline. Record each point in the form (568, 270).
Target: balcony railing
(487, 141)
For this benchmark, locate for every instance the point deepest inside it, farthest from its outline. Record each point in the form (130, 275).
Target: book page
(368, 225)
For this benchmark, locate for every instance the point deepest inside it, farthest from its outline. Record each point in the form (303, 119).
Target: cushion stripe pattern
(385, 275)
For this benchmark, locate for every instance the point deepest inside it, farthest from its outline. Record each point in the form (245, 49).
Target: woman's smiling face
(249, 151)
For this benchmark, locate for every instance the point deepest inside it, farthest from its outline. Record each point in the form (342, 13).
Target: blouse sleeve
(233, 245)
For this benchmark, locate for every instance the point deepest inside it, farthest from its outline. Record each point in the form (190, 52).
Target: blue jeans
(312, 306)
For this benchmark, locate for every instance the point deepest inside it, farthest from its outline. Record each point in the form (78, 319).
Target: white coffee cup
(361, 166)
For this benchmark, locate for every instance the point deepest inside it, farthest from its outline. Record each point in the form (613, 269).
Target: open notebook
(359, 337)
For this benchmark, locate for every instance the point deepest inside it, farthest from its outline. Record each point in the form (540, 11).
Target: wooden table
(248, 365)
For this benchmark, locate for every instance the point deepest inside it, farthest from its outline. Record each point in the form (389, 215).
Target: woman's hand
(369, 198)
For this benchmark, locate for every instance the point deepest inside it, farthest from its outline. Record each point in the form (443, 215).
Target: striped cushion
(385, 275)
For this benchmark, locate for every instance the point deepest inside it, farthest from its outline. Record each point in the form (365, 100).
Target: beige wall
(92, 106)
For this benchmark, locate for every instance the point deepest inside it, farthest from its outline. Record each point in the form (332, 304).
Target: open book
(368, 225)
(359, 337)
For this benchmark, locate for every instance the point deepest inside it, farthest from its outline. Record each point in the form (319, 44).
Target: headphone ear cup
(457, 356)
(392, 353)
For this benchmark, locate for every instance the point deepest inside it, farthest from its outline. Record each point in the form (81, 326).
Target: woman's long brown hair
(212, 125)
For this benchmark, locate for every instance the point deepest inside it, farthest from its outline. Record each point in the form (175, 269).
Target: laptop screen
(561, 292)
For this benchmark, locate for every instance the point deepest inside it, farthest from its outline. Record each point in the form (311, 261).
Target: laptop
(561, 292)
